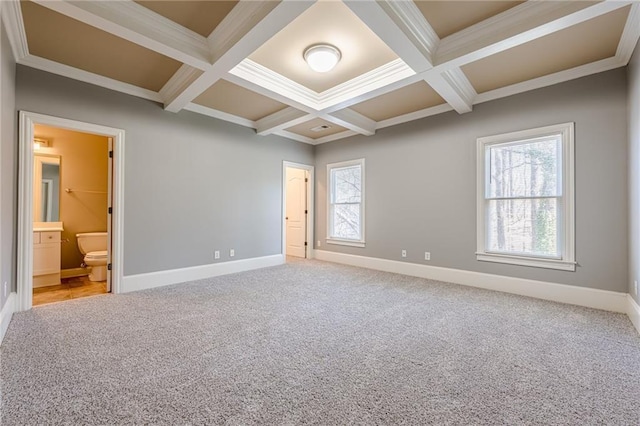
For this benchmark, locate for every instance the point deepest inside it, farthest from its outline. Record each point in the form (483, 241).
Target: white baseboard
(633, 311)
(592, 298)
(5, 315)
(175, 276)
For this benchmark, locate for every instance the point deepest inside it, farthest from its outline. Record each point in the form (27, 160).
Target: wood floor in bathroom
(70, 288)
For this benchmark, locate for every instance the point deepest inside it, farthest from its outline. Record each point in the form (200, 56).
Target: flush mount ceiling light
(322, 57)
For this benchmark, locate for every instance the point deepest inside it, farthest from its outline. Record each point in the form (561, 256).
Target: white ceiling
(242, 61)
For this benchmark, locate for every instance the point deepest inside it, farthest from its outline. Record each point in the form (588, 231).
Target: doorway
(297, 208)
(41, 230)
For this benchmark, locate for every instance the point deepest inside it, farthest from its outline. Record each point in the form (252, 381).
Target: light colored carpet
(318, 343)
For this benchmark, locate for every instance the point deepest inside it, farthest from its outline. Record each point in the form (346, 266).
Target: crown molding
(281, 120)
(352, 120)
(455, 88)
(397, 26)
(335, 137)
(210, 112)
(365, 96)
(137, 24)
(504, 31)
(416, 115)
(389, 73)
(295, 137)
(630, 35)
(14, 25)
(179, 81)
(260, 75)
(89, 77)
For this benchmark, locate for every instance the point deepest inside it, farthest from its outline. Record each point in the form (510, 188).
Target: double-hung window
(346, 203)
(526, 198)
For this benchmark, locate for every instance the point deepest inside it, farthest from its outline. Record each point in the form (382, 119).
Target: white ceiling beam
(246, 36)
(630, 35)
(504, 31)
(179, 81)
(352, 120)
(281, 120)
(137, 24)
(402, 27)
(455, 88)
(14, 25)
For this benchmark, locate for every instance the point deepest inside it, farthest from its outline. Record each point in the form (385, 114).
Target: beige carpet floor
(319, 343)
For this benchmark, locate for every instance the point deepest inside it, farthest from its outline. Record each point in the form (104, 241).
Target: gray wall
(634, 171)
(8, 176)
(421, 181)
(193, 184)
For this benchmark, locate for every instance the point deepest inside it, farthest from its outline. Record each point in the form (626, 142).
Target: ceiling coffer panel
(326, 22)
(316, 129)
(200, 16)
(59, 38)
(411, 98)
(581, 44)
(232, 99)
(449, 17)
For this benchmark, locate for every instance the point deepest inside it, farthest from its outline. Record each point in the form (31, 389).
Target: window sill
(562, 265)
(345, 242)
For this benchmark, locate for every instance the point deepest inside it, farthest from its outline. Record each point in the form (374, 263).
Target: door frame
(310, 207)
(25, 199)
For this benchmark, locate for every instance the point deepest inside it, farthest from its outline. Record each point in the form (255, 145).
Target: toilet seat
(96, 255)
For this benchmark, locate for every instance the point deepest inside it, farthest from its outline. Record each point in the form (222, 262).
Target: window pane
(346, 221)
(525, 170)
(523, 227)
(347, 184)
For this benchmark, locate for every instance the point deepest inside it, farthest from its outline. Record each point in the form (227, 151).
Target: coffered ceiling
(242, 61)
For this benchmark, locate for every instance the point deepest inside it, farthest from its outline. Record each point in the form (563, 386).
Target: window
(346, 203)
(525, 198)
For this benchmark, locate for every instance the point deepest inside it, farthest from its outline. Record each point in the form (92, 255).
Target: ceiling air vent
(320, 128)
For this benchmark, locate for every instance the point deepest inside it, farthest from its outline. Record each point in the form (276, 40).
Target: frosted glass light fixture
(322, 57)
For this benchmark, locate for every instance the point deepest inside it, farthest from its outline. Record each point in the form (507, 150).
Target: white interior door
(296, 212)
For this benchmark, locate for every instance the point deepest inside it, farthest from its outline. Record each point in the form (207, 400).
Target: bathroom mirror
(46, 188)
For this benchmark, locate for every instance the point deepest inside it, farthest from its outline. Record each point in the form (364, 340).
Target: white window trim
(567, 261)
(345, 241)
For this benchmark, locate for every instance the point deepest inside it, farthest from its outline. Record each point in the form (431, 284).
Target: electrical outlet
(216, 254)
(427, 255)
(319, 243)
(635, 287)
(232, 253)
(404, 253)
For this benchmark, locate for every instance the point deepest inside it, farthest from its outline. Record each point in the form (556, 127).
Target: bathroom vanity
(46, 253)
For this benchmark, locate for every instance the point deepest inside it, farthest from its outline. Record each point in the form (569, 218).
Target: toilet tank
(92, 241)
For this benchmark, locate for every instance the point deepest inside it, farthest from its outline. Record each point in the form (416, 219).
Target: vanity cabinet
(46, 258)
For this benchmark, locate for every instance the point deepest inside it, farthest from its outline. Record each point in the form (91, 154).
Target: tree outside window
(346, 201)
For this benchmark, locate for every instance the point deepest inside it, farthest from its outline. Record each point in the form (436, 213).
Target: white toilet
(94, 247)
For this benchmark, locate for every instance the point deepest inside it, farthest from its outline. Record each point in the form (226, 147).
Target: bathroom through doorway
(70, 210)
